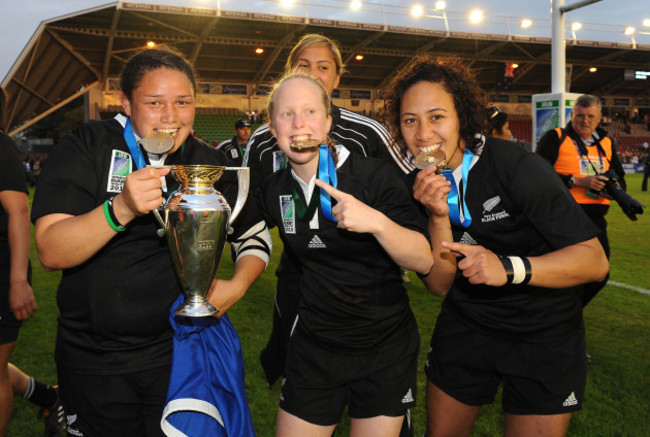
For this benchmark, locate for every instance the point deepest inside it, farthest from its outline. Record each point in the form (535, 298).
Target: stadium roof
(68, 54)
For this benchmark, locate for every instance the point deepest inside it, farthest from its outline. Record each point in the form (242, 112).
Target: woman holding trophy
(513, 314)
(352, 224)
(92, 217)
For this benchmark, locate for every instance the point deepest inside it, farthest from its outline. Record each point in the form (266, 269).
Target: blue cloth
(206, 395)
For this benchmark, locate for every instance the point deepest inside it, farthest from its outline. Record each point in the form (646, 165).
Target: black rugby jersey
(115, 306)
(12, 178)
(359, 134)
(519, 207)
(232, 150)
(352, 291)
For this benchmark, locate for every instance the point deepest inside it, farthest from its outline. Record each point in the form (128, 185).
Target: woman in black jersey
(320, 57)
(92, 221)
(513, 315)
(355, 341)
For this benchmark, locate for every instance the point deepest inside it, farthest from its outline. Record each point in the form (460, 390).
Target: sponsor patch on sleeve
(120, 169)
(288, 211)
(279, 160)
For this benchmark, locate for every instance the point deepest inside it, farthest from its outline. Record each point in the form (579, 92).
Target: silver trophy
(196, 221)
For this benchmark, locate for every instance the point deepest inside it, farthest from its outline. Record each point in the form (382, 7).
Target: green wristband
(113, 222)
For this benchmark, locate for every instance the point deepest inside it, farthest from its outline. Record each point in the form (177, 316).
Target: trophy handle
(243, 179)
(163, 226)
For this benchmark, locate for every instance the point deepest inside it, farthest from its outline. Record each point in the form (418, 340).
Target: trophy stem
(196, 308)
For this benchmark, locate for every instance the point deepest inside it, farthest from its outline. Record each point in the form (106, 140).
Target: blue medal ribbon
(326, 173)
(452, 197)
(134, 147)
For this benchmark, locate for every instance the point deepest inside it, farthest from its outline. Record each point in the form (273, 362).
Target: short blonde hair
(315, 40)
(292, 74)
(325, 99)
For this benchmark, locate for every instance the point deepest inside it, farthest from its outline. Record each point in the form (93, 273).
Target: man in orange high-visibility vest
(581, 153)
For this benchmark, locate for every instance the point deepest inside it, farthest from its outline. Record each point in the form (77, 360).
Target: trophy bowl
(196, 222)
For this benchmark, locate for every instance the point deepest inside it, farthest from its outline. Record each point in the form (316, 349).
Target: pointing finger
(457, 249)
(336, 194)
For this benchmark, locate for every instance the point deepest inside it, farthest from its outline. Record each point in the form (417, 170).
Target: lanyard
(241, 151)
(582, 157)
(452, 198)
(304, 211)
(326, 173)
(134, 148)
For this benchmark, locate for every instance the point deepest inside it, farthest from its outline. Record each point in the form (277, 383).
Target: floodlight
(476, 16)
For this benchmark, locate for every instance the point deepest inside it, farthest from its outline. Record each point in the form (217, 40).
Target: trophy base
(196, 309)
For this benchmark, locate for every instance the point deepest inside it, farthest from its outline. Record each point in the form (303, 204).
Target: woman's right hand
(141, 194)
(431, 190)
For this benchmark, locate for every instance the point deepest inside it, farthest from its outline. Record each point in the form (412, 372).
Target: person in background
(235, 147)
(17, 302)
(92, 215)
(646, 170)
(581, 154)
(500, 127)
(513, 315)
(355, 341)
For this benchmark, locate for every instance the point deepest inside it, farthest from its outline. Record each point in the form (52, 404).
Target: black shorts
(319, 382)
(114, 405)
(547, 378)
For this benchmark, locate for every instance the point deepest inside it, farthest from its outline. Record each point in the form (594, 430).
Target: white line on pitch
(629, 287)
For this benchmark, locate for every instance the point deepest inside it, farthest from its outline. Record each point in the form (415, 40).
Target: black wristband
(507, 265)
(529, 272)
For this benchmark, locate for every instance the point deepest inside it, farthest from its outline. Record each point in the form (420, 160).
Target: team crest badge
(288, 211)
(120, 169)
(279, 160)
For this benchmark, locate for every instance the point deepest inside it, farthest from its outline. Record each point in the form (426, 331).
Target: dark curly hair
(468, 97)
(152, 59)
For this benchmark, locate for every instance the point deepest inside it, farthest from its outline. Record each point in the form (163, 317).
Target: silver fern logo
(489, 215)
(489, 204)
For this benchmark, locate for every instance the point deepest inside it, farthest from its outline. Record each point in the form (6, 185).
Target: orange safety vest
(570, 162)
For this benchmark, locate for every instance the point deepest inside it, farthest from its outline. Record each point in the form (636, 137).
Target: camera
(630, 206)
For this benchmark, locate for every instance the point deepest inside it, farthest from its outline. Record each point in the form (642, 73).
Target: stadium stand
(217, 123)
(521, 127)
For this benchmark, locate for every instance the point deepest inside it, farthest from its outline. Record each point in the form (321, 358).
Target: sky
(602, 21)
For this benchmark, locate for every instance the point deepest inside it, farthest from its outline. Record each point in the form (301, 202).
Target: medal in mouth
(159, 141)
(305, 144)
(431, 156)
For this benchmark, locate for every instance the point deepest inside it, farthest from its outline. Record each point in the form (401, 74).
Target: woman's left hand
(478, 264)
(350, 213)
